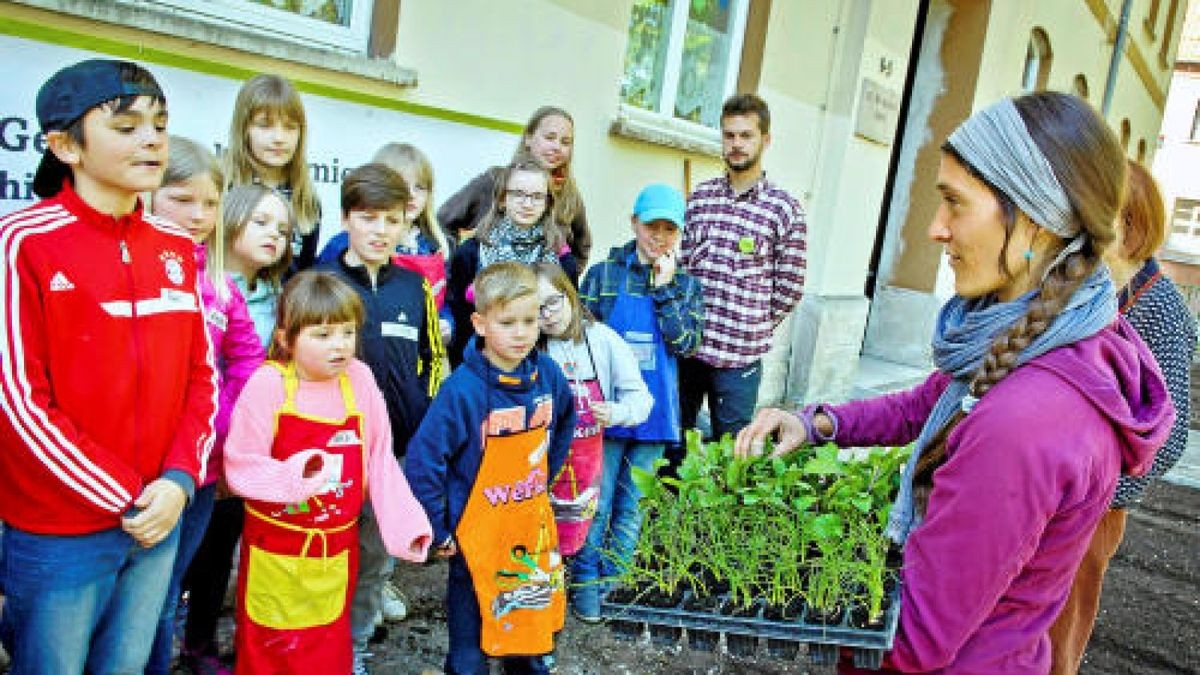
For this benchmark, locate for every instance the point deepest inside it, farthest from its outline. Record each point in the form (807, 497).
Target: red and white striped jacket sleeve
(58, 453)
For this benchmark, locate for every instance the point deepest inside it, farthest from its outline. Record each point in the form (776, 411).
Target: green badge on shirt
(746, 245)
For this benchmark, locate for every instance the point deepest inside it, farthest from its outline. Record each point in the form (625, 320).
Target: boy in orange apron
(500, 426)
(302, 452)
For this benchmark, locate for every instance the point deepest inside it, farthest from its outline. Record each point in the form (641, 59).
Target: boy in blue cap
(106, 382)
(640, 293)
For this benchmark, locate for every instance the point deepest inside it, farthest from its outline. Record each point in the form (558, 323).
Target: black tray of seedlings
(784, 629)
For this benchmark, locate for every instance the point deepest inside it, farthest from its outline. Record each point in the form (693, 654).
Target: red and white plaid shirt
(748, 252)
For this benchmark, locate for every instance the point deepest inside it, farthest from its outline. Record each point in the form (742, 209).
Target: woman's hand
(786, 427)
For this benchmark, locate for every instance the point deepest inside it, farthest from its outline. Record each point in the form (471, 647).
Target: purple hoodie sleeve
(241, 354)
(1008, 518)
(891, 419)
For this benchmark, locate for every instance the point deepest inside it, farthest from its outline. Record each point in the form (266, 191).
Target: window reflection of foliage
(645, 56)
(330, 11)
(705, 58)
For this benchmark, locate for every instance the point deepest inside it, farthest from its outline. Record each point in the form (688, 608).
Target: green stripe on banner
(103, 45)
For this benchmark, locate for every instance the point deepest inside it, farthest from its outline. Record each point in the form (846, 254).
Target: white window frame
(266, 20)
(663, 120)
(1184, 233)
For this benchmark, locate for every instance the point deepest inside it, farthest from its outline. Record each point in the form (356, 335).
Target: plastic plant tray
(869, 643)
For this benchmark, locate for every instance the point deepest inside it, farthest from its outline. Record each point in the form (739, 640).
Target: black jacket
(464, 265)
(396, 341)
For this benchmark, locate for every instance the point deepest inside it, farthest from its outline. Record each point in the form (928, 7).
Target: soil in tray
(858, 617)
(622, 595)
(831, 616)
(656, 598)
(740, 645)
(701, 603)
(789, 612)
(664, 636)
(698, 639)
(858, 611)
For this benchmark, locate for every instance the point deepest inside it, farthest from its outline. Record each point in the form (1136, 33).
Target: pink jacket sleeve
(241, 353)
(249, 468)
(891, 419)
(402, 522)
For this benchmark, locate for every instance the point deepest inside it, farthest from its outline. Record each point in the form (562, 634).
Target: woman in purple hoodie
(1042, 396)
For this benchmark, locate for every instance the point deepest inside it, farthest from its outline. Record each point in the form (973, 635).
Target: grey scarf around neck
(962, 338)
(507, 242)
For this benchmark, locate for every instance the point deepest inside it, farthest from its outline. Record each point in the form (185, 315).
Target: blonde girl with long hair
(549, 139)
(268, 139)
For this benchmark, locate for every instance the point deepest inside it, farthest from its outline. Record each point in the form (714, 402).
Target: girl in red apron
(608, 391)
(308, 437)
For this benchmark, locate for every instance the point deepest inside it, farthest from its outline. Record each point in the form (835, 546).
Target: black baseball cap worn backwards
(67, 96)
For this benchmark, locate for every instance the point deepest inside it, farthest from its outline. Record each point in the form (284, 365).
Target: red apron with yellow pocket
(299, 561)
(510, 544)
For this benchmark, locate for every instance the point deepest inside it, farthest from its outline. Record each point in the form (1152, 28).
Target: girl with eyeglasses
(608, 390)
(519, 228)
(548, 139)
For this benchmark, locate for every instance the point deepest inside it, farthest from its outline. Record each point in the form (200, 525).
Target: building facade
(862, 92)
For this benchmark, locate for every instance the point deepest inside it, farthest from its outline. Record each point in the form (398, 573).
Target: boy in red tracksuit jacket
(107, 381)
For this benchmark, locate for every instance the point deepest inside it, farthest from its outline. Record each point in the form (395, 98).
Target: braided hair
(1088, 162)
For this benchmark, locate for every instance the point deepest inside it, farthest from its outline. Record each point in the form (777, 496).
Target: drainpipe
(1115, 63)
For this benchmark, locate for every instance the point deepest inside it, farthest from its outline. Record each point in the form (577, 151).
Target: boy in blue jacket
(402, 345)
(640, 293)
(500, 427)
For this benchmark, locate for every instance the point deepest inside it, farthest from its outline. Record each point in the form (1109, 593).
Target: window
(683, 58)
(344, 25)
(1185, 218)
(1037, 61)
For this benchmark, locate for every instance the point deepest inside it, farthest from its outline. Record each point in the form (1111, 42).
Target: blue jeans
(614, 532)
(192, 525)
(82, 602)
(463, 623)
(732, 394)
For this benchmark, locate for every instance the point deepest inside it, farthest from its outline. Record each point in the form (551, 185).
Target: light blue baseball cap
(659, 201)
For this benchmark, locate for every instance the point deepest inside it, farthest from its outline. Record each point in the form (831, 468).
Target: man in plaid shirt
(744, 242)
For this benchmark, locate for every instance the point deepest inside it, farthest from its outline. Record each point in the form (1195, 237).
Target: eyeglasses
(552, 304)
(523, 196)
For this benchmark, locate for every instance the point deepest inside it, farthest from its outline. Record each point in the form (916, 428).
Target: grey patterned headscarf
(997, 144)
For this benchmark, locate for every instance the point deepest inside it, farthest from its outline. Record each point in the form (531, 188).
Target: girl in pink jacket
(189, 197)
(308, 444)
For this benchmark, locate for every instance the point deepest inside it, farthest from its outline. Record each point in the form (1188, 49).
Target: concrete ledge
(644, 126)
(827, 337)
(901, 325)
(175, 23)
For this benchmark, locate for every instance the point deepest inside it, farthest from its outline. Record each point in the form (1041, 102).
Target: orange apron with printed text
(299, 561)
(508, 538)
